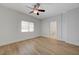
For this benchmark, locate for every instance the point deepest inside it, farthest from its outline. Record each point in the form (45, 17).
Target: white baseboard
(69, 42)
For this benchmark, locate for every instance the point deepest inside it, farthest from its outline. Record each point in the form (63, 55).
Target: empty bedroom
(39, 28)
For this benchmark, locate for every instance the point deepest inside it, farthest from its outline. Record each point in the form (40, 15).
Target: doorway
(53, 29)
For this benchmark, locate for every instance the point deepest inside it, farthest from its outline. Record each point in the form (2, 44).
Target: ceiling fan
(36, 9)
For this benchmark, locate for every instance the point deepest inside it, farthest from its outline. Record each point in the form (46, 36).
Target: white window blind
(27, 26)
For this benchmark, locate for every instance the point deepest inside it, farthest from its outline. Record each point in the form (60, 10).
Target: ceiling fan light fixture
(35, 11)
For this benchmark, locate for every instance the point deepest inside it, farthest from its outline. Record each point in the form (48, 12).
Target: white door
(53, 29)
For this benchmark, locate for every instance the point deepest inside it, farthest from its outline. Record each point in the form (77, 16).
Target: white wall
(46, 26)
(10, 26)
(68, 26)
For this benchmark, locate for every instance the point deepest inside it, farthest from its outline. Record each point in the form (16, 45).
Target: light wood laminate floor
(39, 46)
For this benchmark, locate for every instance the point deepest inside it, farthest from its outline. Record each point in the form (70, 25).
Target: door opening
(53, 30)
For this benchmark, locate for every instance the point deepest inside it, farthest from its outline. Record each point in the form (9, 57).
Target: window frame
(29, 24)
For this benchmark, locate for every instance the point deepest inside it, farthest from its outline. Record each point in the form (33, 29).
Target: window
(27, 26)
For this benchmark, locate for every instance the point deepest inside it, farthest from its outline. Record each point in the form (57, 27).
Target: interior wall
(46, 26)
(68, 29)
(10, 26)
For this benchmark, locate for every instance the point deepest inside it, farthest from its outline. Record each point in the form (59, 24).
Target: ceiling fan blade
(35, 6)
(37, 13)
(30, 12)
(38, 4)
(41, 10)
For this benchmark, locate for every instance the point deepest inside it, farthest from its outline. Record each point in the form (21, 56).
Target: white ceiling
(52, 9)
